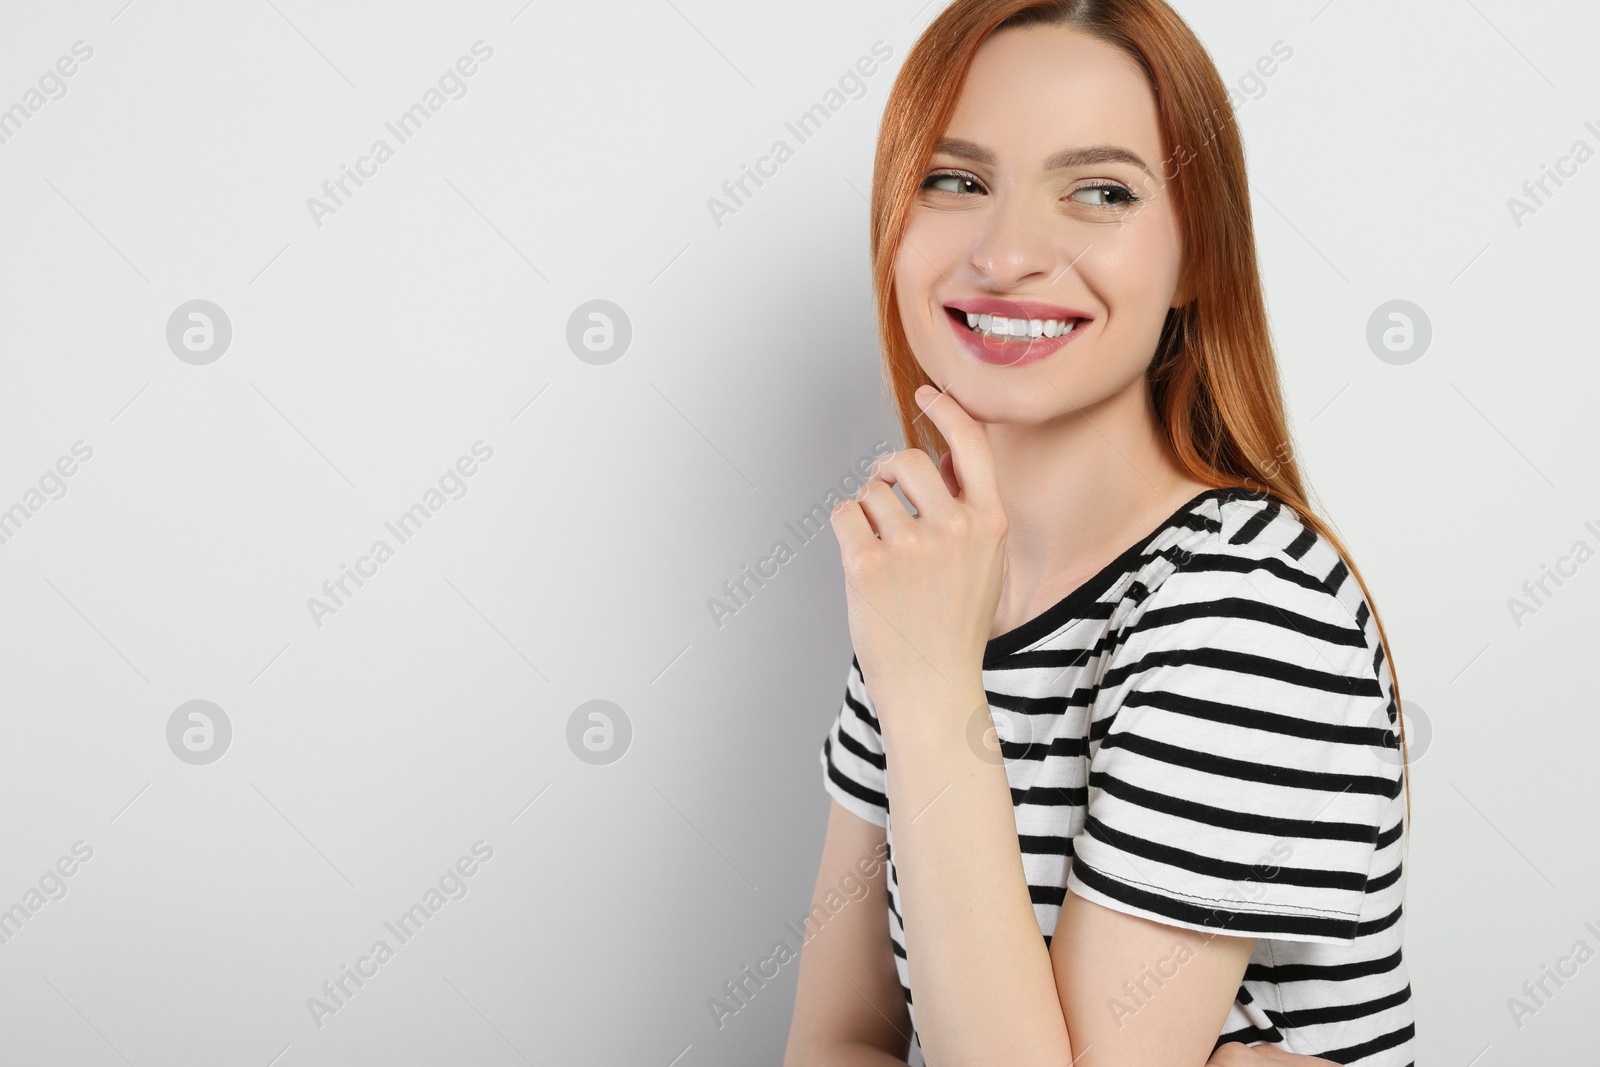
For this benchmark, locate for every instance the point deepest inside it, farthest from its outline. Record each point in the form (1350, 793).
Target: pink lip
(1013, 353)
(1016, 309)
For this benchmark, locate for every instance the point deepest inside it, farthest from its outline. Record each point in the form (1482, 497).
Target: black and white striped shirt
(1203, 734)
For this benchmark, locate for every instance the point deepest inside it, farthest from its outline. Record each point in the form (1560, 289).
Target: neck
(1078, 490)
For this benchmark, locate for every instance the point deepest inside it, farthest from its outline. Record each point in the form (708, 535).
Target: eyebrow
(1083, 155)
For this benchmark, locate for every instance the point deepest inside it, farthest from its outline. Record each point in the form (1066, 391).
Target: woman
(1115, 680)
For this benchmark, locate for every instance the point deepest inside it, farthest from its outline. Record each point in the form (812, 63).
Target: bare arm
(1140, 992)
(849, 1010)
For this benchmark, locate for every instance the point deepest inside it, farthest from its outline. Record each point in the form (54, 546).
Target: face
(1041, 215)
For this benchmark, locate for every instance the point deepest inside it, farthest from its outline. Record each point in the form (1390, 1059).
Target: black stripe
(1051, 796)
(1302, 543)
(1218, 563)
(1261, 924)
(1352, 1053)
(862, 712)
(1339, 1013)
(1255, 610)
(1252, 528)
(858, 750)
(1274, 826)
(1221, 869)
(1045, 844)
(1249, 1035)
(1241, 717)
(850, 785)
(1223, 659)
(1315, 972)
(1047, 894)
(1335, 579)
(1227, 767)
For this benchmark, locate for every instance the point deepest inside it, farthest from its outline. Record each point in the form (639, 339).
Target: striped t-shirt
(1204, 734)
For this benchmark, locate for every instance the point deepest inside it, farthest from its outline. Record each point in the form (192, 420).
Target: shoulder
(1248, 574)
(1249, 545)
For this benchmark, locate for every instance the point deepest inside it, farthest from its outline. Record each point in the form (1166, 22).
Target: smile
(1001, 328)
(1005, 341)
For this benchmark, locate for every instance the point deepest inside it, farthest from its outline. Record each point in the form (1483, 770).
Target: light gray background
(430, 312)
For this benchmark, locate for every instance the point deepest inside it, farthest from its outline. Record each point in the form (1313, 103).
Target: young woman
(1116, 682)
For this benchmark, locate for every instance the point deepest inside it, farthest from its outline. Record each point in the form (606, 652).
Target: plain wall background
(431, 311)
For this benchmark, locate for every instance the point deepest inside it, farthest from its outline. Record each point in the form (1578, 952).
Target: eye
(952, 181)
(1107, 194)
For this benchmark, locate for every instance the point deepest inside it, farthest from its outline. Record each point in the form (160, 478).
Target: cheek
(913, 284)
(1138, 268)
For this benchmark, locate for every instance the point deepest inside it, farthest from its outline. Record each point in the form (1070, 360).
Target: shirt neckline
(1071, 606)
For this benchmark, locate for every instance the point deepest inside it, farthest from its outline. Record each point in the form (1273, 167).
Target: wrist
(922, 702)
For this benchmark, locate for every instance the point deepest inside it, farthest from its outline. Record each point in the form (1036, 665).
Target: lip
(1016, 309)
(1012, 353)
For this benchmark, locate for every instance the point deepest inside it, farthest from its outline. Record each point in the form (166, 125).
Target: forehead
(1034, 90)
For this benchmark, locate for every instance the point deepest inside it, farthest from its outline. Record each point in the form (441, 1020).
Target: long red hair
(1213, 376)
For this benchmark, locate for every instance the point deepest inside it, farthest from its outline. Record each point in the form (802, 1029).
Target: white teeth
(998, 326)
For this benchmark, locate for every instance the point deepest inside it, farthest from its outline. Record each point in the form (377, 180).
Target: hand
(922, 593)
(1235, 1054)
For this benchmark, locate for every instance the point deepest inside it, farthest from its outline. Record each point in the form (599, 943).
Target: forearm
(980, 971)
(851, 1055)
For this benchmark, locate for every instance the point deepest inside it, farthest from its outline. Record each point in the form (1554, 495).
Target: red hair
(1213, 377)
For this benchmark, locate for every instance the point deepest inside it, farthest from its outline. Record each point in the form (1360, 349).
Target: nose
(1017, 243)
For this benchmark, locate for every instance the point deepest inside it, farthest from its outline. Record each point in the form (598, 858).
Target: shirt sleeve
(852, 754)
(1237, 779)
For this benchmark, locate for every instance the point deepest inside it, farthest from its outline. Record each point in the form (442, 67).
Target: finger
(947, 471)
(969, 445)
(883, 507)
(850, 526)
(914, 471)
